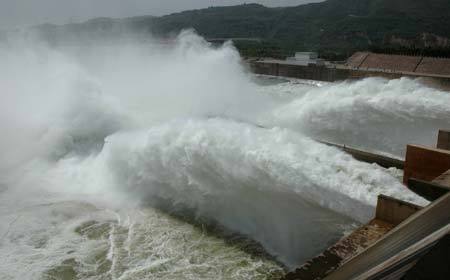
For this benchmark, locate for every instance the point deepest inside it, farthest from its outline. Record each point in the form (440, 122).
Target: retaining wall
(339, 73)
(318, 73)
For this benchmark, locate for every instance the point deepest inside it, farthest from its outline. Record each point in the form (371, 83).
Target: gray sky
(29, 12)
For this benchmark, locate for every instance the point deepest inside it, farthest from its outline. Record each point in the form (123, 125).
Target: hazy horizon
(17, 13)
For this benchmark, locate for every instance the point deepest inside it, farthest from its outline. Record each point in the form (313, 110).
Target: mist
(183, 128)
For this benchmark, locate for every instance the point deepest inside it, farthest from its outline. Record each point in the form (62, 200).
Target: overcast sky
(29, 12)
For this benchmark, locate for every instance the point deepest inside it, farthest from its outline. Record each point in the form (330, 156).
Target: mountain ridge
(340, 26)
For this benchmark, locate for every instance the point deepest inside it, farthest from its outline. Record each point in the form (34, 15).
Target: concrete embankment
(403, 241)
(285, 69)
(433, 71)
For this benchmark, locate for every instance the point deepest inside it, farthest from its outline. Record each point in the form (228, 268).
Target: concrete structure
(390, 212)
(433, 71)
(364, 156)
(443, 140)
(286, 68)
(432, 65)
(431, 190)
(305, 59)
(384, 62)
(400, 250)
(425, 163)
(408, 65)
(403, 241)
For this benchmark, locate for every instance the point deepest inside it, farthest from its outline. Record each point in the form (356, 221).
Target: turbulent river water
(130, 160)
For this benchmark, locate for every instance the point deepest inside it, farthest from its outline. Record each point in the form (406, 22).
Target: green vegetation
(334, 28)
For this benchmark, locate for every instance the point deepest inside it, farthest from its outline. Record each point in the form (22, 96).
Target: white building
(306, 58)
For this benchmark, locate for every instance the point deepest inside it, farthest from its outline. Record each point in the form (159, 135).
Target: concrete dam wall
(418, 65)
(318, 73)
(280, 68)
(435, 71)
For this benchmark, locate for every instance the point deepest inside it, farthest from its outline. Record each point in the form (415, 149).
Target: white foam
(95, 134)
(374, 114)
(274, 185)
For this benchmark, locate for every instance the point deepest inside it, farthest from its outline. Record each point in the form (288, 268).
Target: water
(137, 161)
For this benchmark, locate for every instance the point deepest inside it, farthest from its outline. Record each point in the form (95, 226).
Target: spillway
(134, 161)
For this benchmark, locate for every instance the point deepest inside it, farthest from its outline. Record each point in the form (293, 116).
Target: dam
(362, 65)
(403, 241)
(137, 161)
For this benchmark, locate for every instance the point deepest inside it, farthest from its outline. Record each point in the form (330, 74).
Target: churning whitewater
(150, 160)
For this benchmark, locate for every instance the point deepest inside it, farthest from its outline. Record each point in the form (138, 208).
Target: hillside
(333, 26)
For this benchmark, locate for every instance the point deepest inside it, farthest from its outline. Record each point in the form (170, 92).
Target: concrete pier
(403, 241)
(443, 140)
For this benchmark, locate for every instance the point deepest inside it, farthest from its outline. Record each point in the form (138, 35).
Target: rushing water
(142, 161)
